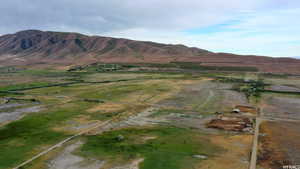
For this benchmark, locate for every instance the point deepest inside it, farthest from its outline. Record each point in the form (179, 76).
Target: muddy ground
(14, 111)
(68, 160)
(206, 97)
(279, 144)
(281, 106)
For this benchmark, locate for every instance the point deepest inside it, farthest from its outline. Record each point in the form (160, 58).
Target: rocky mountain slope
(52, 49)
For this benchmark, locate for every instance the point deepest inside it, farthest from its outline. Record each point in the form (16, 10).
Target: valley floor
(122, 120)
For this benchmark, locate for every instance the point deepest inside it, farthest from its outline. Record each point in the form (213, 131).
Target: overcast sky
(261, 27)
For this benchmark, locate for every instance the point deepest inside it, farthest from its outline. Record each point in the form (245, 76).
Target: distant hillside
(58, 49)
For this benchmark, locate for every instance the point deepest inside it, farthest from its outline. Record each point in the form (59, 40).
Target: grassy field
(155, 145)
(20, 139)
(168, 136)
(36, 131)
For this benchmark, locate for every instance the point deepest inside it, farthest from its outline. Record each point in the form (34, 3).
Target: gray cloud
(102, 16)
(263, 27)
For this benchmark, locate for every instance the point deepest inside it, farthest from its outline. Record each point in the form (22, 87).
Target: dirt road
(255, 143)
(209, 97)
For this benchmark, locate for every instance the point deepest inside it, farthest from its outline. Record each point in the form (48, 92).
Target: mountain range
(64, 49)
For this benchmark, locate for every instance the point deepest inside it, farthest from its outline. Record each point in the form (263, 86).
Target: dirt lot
(247, 109)
(236, 152)
(238, 124)
(279, 144)
(281, 106)
(205, 97)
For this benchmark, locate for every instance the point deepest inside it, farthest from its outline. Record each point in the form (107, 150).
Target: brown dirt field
(281, 106)
(236, 155)
(205, 96)
(280, 144)
(230, 123)
(246, 109)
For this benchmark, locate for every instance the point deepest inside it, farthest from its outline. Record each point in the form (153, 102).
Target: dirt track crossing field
(60, 144)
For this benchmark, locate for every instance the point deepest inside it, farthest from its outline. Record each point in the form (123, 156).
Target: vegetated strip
(282, 92)
(37, 87)
(197, 66)
(14, 91)
(11, 92)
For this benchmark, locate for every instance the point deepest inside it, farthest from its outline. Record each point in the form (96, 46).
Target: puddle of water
(18, 113)
(68, 160)
(7, 106)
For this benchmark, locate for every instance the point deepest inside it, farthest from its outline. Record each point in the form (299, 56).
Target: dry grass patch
(236, 155)
(76, 125)
(142, 97)
(165, 89)
(279, 145)
(106, 107)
